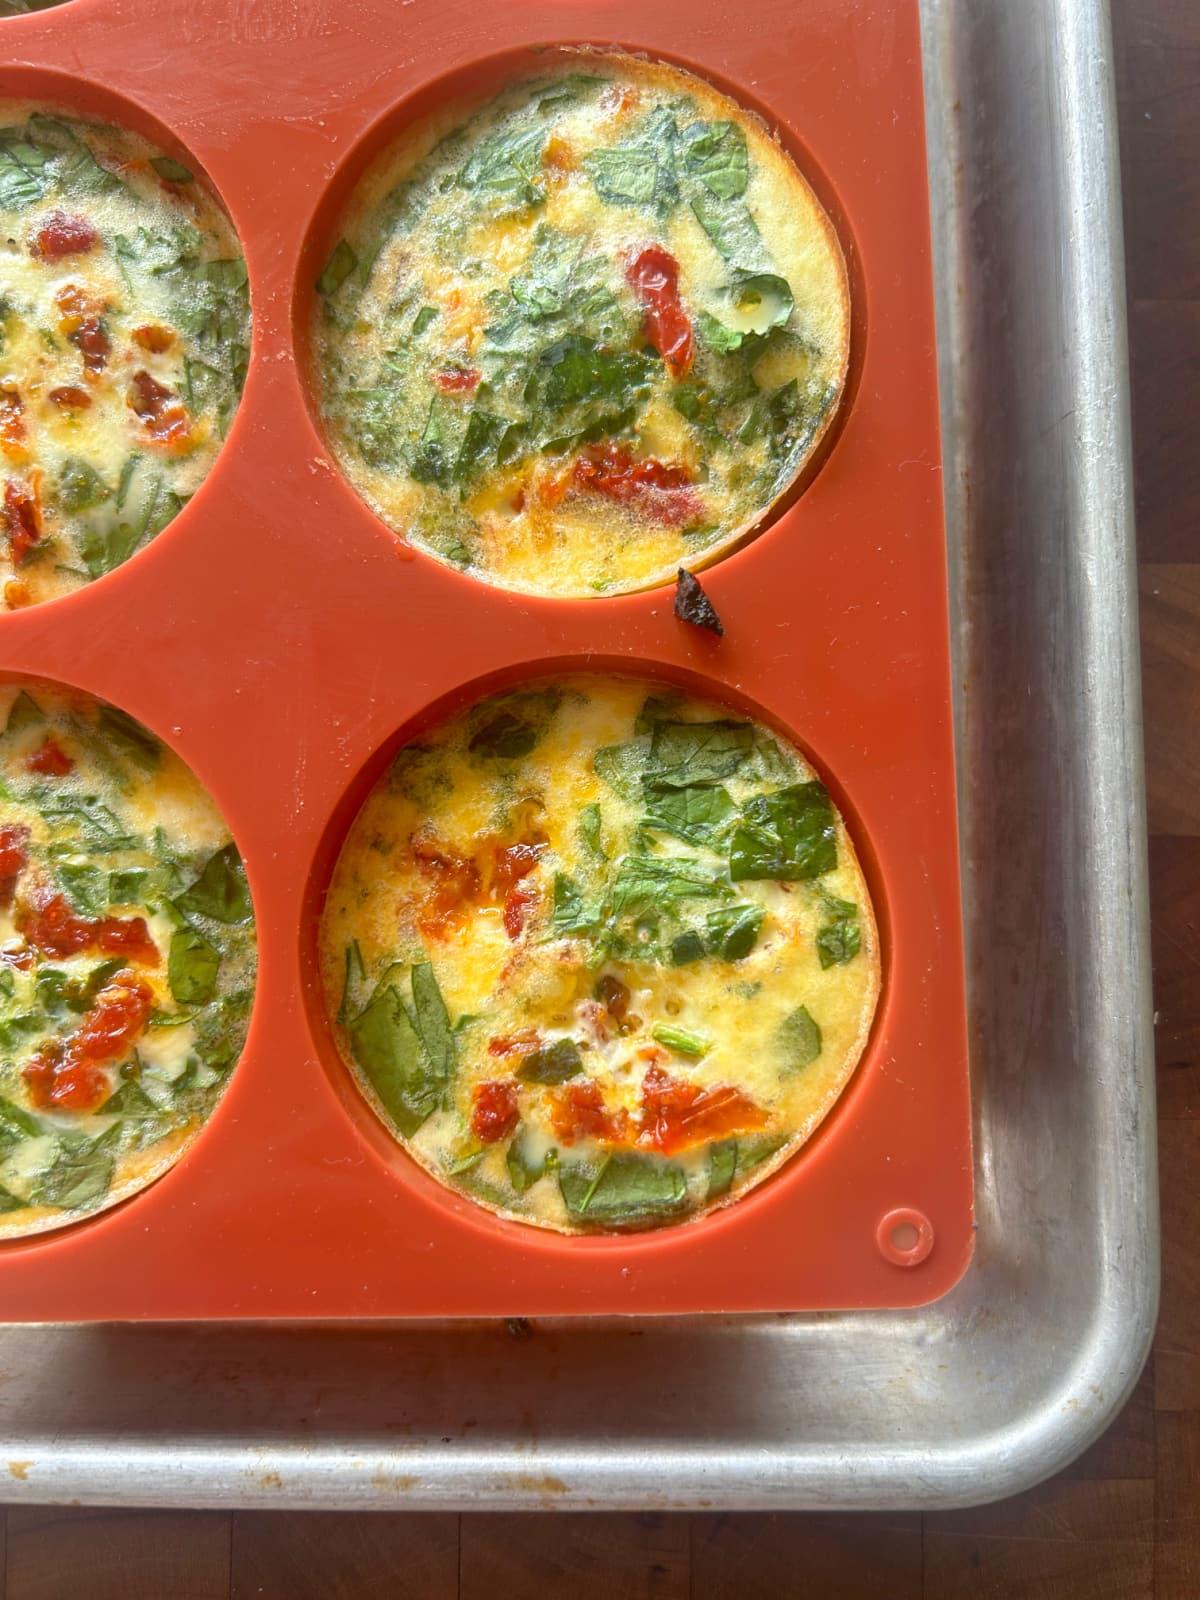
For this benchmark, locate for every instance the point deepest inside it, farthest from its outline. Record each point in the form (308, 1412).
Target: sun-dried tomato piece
(70, 1076)
(63, 234)
(22, 520)
(14, 858)
(165, 416)
(676, 1115)
(70, 397)
(494, 1112)
(654, 278)
(49, 923)
(13, 432)
(664, 493)
(92, 341)
(520, 1043)
(577, 1111)
(153, 336)
(50, 759)
(457, 380)
(518, 903)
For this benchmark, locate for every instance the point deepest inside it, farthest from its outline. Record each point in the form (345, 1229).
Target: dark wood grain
(583, 1557)
(283, 1555)
(810, 1558)
(58, 1554)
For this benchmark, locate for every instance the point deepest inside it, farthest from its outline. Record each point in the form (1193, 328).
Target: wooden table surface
(1124, 1522)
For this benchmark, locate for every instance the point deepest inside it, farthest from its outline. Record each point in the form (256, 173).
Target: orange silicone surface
(284, 642)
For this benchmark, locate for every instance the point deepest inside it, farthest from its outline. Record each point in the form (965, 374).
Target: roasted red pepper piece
(12, 424)
(62, 234)
(654, 278)
(22, 520)
(494, 1113)
(50, 759)
(71, 1076)
(577, 1111)
(677, 1115)
(14, 858)
(50, 924)
(457, 380)
(164, 414)
(664, 493)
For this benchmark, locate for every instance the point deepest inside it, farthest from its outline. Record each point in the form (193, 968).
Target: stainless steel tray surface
(1025, 1363)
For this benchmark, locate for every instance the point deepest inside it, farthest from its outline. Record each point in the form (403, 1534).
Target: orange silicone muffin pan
(285, 642)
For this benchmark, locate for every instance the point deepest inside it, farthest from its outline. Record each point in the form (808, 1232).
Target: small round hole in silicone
(904, 1237)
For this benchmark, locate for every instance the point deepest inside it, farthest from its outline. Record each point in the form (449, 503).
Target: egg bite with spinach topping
(585, 333)
(600, 956)
(127, 957)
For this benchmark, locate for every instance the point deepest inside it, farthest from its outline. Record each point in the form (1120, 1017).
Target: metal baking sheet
(1015, 1372)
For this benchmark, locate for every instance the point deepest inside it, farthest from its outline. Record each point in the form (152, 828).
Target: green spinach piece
(505, 166)
(9, 1201)
(787, 836)
(524, 1168)
(732, 231)
(641, 171)
(646, 883)
(698, 813)
(571, 913)
(722, 1164)
(622, 765)
(129, 886)
(16, 1124)
(590, 829)
(840, 939)
(433, 1021)
(24, 713)
(553, 1063)
(388, 1048)
(221, 890)
(755, 1148)
(81, 1172)
(192, 967)
(504, 737)
(687, 753)
(85, 885)
(730, 932)
(128, 738)
(341, 263)
(800, 1040)
(25, 174)
(625, 1191)
(80, 486)
(172, 171)
(716, 154)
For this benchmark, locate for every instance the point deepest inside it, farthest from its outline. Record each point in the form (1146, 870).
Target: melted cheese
(445, 800)
(440, 285)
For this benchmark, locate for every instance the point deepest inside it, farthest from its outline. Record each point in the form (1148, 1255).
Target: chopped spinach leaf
(590, 828)
(730, 932)
(504, 737)
(722, 1163)
(642, 171)
(505, 167)
(625, 1191)
(646, 883)
(25, 174)
(553, 1063)
(221, 890)
(685, 753)
(840, 939)
(342, 262)
(80, 486)
(433, 1021)
(732, 231)
(755, 1148)
(80, 1173)
(622, 765)
(788, 836)
(571, 914)
(716, 154)
(128, 738)
(172, 171)
(23, 713)
(800, 1038)
(388, 1049)
(18, 1121)
(697, 813)
(85, 885)
(192, 966)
